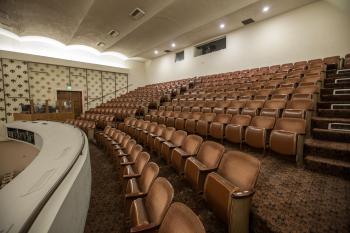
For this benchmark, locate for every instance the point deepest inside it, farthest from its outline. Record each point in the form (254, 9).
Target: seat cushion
(233, 133)
(283, 142)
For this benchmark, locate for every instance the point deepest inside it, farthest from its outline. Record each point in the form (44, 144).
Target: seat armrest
(135, 195)
(144, 227)
(128, 163)
(131, 176)
(243, 194)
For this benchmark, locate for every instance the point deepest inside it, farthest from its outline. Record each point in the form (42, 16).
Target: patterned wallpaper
(21, 81)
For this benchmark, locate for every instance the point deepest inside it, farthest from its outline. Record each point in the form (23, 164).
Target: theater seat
(258, 132)
(207, 160)
(166, 136)
(217, 127)
(124, 151)
(151, 136)
(129, 159)
(135, 170)
(203, 123)
(139, 186)
(147, 213)
(235, 130)
(190, 125)
(287, 138)
(181, 219)
(229, 190)
(144, 134)
(189, 148)
(175, 141)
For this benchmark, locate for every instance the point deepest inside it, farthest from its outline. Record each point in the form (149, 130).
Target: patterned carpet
(288, 199)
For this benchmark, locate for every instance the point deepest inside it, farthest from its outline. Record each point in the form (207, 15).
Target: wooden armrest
(243, 194)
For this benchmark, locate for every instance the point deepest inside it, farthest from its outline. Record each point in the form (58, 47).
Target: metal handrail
(113, 92)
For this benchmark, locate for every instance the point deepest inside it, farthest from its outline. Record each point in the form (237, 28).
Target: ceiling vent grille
(248, 21)
(167, 51)
(137, 14)
(113, 33)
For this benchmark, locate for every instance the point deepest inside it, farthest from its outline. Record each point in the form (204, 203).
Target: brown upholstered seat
(170, 121)
(135, 170)
(235, 107)
(287, 137)
(166, 136)
(228, 189)
(203, 123)
(130, 159)
(273, 108)
(253, 107)
(120, 152)
(217, 127)
(189, 148)
(139, 186)
(180, 121)
(144, 134)
(157, 133)
(181, 219)
(258, 132)
(147, 213)
(235, 130)
(190, 125)
(207, 160)
(176, 140)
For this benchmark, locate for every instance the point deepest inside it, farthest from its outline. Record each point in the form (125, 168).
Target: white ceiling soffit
(88, 22)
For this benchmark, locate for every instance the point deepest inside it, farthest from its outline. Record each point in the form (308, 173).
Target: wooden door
(74, 97)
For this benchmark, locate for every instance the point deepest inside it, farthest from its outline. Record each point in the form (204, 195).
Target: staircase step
(331, 135)
(336, 104)
(329, 166)
(342, 94)
(327, 149)
(343, 113)
(322, 122)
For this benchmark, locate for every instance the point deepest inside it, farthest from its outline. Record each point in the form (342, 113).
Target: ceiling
(88, 22)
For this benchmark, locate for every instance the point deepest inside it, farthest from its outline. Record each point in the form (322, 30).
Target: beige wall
(316, 30)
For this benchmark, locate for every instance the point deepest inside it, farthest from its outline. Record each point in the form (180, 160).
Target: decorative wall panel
(22, 81)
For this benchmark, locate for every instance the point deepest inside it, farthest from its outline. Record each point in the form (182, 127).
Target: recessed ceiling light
(113, 33)
(222, 25)
(266, 9)
(156, 52)
(100, 44)
(173, 45)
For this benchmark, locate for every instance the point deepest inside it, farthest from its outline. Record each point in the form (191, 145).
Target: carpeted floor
(287, 199)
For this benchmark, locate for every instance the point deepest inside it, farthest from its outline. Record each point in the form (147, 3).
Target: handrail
(98, 98)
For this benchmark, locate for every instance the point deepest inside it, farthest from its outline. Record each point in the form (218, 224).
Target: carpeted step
(329, 166)
(340, 113)
(327, 149)
(342, 94)
(323, 122)
(336, 105)
(331, 135)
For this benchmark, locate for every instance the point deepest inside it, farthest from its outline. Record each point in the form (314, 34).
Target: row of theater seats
(290, 68)
(147, 196)
(270, 124)
(205, 165)
(87, 126)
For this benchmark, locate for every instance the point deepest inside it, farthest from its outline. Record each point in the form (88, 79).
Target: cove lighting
(44, 46)
(266, 9)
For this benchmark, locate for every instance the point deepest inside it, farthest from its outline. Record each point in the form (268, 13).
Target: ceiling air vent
(113, 33)
(167, 51)
(137, 14)
(248, 21)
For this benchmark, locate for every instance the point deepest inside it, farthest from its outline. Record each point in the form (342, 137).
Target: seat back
(191, 144)
(148, 175)
(241, 119)
(296, 125)
(210, 153)
(152, 127)
(130, 145)
(158, 200)
(125, 141)
(168, 133)
(178, 137)
(141, 161)
(263, 122)
(223, 118)
(240, 168)
(136, 150)
(160, 129)
(180, 218)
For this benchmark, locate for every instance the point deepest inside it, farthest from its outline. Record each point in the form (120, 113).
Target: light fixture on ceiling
(100, 44)
(222, 26)
(156, 52)
(173, 45)
(265, 9)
